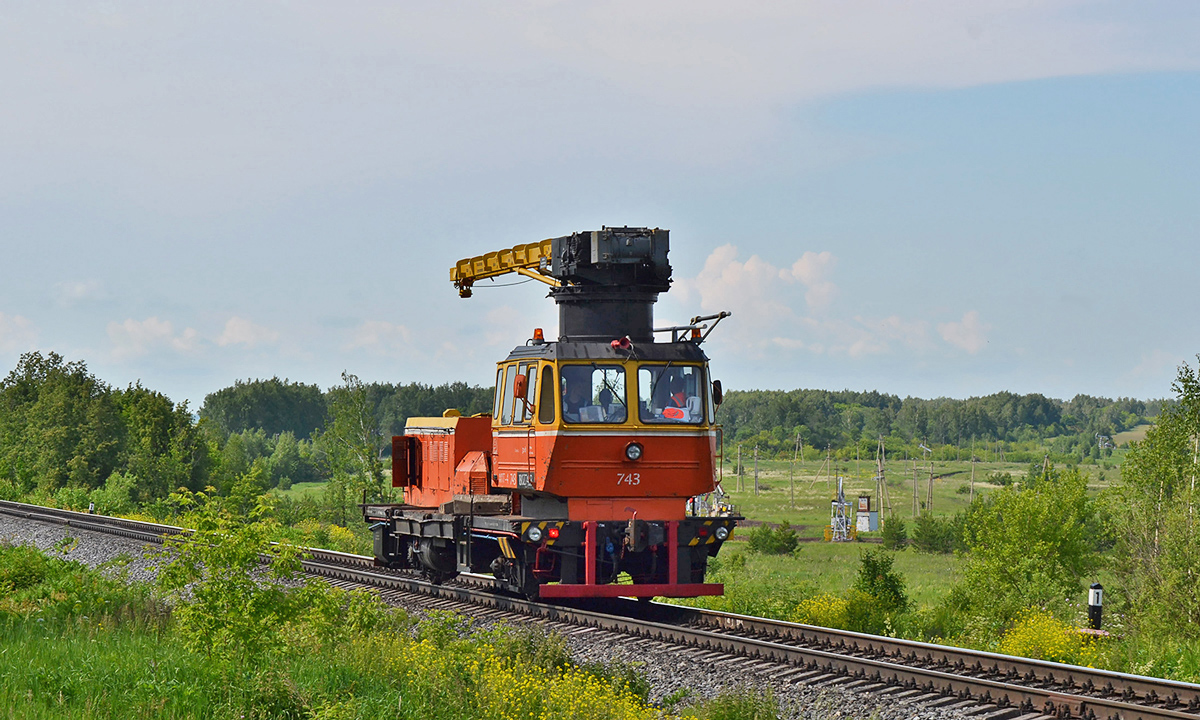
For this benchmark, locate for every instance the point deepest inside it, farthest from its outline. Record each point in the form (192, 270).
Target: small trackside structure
(579, 482)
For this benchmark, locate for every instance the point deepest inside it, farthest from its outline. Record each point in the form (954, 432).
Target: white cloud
(769, 314)
(133, 338)
(240, 331)
(16, 333)
(968, 334)
(813, 270)
(381, 337)
(749, 289)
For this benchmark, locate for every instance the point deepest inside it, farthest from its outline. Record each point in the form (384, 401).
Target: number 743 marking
(629, 478)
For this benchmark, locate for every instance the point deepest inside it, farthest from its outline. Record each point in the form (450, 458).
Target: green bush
(772, 541)
(938, 535)
(71, 497)
(865, 613)
(1029, 546)
(877, 578)
(21, 567)
(895, 534)
(225, 610)
(116, 496)
(1003, 479)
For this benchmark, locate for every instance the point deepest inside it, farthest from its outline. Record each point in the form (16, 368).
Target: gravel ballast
(670, 669)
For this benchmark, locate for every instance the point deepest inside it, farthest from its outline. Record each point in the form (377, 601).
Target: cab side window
(499, 393)
(523, 412)
(546, 397)
(510, 374)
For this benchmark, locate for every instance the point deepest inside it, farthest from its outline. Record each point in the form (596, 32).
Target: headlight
(721, 533)
(633, 451)
(535, 534)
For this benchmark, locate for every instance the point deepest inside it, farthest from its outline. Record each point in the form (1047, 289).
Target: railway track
(984, 685)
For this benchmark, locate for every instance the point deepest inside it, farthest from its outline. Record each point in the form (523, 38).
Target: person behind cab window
(576, 395)
(677, 396)
(614, 412)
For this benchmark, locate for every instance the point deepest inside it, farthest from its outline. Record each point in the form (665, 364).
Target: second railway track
(980, 684)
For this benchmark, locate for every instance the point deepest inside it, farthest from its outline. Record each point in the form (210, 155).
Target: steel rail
(1005, 682)
(1092, 682)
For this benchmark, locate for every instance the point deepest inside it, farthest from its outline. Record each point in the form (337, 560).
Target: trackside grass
(76, 644)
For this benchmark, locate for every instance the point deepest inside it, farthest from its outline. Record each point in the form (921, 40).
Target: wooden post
(756, 470)
(792, 475)
(929, 495)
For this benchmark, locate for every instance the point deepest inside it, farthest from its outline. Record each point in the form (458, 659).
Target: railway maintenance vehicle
(594, 474)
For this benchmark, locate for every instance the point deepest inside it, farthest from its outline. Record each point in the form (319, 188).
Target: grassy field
(299, 490)
(832, 567)
(1137, 434)
(801, 495)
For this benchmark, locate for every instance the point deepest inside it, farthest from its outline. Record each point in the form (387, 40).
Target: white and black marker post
(1095, 605)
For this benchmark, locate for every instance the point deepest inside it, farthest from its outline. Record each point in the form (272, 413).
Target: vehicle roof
(685, 351)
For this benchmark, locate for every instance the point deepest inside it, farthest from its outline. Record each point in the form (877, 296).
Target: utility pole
(929, 492)
(792, 474)
(881, 488)
(756, 470)
(929, 495)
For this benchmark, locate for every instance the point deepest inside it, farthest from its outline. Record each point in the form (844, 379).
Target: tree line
(71, 439)
(847, 420)
(65, 433)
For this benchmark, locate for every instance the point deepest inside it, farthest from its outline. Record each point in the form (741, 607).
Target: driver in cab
(576, 397)
(675, 403)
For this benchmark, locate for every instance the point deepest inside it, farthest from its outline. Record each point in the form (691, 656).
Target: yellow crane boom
(531, 260)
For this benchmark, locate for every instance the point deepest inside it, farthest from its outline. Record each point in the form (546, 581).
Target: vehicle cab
(614, 431)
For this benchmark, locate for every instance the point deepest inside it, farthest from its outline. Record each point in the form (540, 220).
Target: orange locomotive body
(586, 479)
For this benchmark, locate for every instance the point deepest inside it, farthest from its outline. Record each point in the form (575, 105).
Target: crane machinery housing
(583, 480)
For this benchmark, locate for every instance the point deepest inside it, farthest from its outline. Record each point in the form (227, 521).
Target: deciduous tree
(1158, 546)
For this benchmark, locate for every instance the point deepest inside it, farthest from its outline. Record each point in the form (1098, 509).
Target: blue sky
(934, 198)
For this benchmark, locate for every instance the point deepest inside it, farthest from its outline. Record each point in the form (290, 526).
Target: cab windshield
(671, 394)
(593, 394)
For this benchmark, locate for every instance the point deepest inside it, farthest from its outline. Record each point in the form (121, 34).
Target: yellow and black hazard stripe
(543, 526)
(506, 548)
(708, 539)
